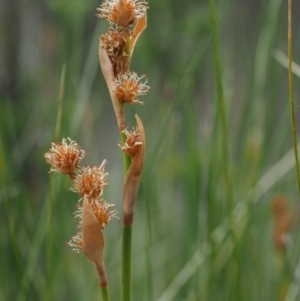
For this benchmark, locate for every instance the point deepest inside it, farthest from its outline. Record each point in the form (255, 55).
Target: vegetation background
(204, 225)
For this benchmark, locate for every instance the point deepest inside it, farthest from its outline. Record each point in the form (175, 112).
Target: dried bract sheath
(129, 87)
(64, 157)
(108, 73)
(103, 212)
(93, 240)
(90, 181)
(122, 12)
(132, 143)
(133, 176)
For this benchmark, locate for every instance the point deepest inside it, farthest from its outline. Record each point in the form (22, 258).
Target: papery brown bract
(93, 241)
(108, 73)
(133, 176)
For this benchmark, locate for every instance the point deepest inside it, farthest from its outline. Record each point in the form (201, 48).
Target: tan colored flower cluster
(128, 19)
(129, 88)
(122, 12)
(115, 43)
(103, 211)
(116, 49)
(63, 157)
(132, 143)
(89, 182)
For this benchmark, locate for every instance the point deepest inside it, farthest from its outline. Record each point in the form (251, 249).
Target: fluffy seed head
(129, 88)
(90, 181)
(122, 12)
(64, 157)
(132, 143)
(103, 211)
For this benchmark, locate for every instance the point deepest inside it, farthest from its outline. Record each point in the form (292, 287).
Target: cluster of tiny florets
(64, 157)
(90, 181)
(122, 12)
(115, 44)
(129, 87)
(103, 211)
(132, 143)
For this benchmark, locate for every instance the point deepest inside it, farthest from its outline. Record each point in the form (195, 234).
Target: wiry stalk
(126, 243)
(291, 93)
(104, 294)
(127, 263)
(221, 104)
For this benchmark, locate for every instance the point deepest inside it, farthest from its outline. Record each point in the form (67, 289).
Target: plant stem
(60, 101)
(127, 229)
(126, 262)
(126, 158)
(126, 242)
(290, 55)
(221, 111)
(221, 102)
(104, 293)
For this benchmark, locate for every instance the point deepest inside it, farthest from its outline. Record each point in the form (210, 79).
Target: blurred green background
(204, 226)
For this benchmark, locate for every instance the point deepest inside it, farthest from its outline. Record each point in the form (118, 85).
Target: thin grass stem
(291, 93)
(104, 293)
(126, 263)
(221, 102)
(52, 184)
(60, 101)
(126, 158)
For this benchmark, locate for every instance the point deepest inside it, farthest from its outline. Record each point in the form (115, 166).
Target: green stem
(221, 111)
(126, 263)
(290, 55)
(126, 243)
(104, 293)
(221, 102)
(126, 158)
(127, 229)
(60, 101)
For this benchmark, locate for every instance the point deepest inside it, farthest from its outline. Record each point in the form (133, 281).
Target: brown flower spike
(129, 88)
(122, 12)
(90, 181)
(132, 143)
(64, 157)
(103, 211)
(115, 44)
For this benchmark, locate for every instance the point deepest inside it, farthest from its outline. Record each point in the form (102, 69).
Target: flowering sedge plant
(127, 20)
(93, 212)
